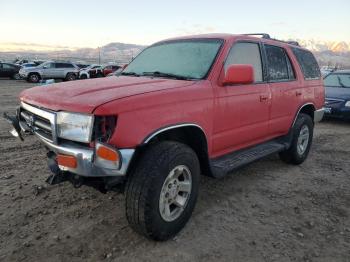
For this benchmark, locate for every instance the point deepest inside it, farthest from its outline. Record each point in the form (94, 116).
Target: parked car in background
(116, 73)
(81, 66)
(205, 104)
(110, 69)
(10, 70)
(55, 70)
(337, 85)
(20, 61)
(30, 64)
(92, 71)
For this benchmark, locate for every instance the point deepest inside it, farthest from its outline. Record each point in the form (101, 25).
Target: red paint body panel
(232, 117)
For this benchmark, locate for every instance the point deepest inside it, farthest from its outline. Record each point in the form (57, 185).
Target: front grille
(40, 121)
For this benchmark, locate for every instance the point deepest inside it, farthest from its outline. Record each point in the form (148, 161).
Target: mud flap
(14, 121)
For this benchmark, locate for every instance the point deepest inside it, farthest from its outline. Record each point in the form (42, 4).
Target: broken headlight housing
(74, 126)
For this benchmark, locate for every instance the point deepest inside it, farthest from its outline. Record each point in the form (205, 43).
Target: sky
(58, 24)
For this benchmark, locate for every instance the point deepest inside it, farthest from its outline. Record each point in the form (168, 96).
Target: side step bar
(224, 165)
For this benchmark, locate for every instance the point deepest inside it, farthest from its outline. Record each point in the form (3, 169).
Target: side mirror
(239, 74)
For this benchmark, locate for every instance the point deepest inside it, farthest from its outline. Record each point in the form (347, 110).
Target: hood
(338, 93)
(85, 95)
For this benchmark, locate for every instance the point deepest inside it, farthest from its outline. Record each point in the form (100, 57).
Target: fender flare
(166, 128)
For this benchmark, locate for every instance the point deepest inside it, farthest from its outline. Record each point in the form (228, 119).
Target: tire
(83, 76)
(34, 78)
(301, 141)
(99, 75)
(149, 183)
(71, 77)
(16, 76)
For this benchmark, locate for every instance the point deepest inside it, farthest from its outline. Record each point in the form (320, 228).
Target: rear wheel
(301, 141)
(162, 190)
(16, 76)
(83, 76)
(34, 78)
(71, 77)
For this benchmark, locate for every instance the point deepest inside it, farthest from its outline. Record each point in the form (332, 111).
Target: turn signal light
(67, 161)
(107, 153)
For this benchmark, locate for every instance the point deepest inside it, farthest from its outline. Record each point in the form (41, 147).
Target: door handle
(263, 98)
(298, 93)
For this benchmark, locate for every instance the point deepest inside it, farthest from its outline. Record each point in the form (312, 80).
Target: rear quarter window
(308, 64)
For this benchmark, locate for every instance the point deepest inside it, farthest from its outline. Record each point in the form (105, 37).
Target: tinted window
(308, 63)
(7, 66)
(246, 53)
(64, 65)
(277, 63)
(337, 80)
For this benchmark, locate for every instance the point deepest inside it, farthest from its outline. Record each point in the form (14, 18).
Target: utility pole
(99, 56)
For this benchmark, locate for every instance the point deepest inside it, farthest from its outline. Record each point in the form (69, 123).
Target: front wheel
(301, 140)
(33, 78)
(162, 190)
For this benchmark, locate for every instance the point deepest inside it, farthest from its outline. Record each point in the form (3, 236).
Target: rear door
(242, 111)
(285, 89)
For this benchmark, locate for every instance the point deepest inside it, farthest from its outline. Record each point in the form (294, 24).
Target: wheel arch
(190, 134)
(308, 108)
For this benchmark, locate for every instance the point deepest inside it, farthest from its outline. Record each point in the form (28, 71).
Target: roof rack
(267, 36)
(263, 35)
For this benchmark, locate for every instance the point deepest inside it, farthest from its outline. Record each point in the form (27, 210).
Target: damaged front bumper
(31, 119)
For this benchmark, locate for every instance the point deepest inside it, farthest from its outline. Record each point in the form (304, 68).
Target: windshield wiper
(129, 74)
(162, 74)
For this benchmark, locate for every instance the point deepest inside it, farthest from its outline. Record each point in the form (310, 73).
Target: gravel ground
(268, 211)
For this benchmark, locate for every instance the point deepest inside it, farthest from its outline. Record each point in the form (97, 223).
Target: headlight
(347, 104)
(73, 126)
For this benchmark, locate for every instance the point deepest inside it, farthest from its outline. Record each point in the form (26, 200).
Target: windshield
(337, 80)
(190, 59)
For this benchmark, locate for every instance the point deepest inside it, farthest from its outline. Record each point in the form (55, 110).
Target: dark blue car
(337, 85)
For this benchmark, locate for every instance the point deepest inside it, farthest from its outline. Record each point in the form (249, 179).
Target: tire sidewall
(302, 120)
(70, 77)
(161, 228)
(16, 76)
(31, 79)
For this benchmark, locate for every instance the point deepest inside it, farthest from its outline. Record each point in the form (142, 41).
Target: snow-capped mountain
(320, 46)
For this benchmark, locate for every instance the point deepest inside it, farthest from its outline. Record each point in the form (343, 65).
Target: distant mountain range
(327, 53)
(112, 52)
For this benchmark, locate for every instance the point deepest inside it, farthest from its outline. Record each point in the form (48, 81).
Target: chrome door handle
(263, 98)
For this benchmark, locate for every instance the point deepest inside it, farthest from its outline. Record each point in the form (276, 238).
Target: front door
(241, 111)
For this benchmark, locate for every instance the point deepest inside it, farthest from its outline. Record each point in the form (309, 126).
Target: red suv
(205, 104)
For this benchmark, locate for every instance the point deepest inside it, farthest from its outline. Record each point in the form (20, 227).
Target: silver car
(50, 70)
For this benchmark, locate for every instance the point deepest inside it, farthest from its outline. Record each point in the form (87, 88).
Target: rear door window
(246, 53)
(278, 64)
(308, 64)
(64, 65)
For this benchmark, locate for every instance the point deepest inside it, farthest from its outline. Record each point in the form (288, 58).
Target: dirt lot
(269, 211)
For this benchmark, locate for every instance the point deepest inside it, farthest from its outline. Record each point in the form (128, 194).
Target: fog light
(66, 161)
(107, 156)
